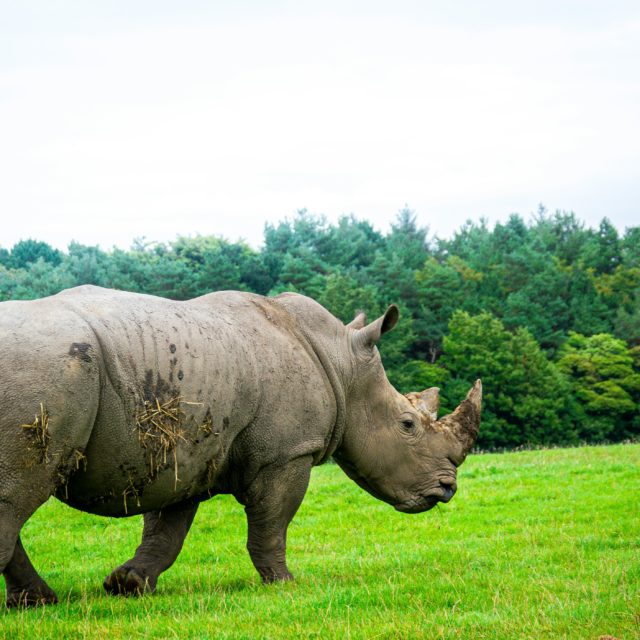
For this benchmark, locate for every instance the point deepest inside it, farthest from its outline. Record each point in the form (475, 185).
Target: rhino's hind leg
(25, 588)
(162, 539)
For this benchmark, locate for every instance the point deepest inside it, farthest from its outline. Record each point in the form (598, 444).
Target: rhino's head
(394, 446)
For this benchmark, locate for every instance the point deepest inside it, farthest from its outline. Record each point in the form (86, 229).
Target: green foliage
(344, 297)
(351, 244)
(441, 289)
(88, 265)
(627, 322)
(36, 280)
(525, 289)
(303, 271)
(525, 396)
(417, 375)
(537, 296)
(27, 252)
(602, 251)
(216, 264)
(604, 381)
(407, 240)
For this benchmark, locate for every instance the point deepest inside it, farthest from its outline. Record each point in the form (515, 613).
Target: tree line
(546, 312)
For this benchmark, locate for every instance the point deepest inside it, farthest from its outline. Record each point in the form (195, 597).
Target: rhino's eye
(408, 425)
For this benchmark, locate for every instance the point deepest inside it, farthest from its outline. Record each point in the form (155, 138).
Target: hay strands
(130, 491)
(160, 429)
(39, 430)
(79, 457)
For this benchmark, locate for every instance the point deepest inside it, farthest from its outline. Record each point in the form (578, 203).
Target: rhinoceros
(120, 403)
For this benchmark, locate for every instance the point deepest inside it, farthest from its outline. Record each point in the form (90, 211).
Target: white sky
(121, 119)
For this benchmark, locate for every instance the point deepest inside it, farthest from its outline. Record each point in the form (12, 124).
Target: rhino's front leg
(25, 587)
(270, 504)
(162, 539)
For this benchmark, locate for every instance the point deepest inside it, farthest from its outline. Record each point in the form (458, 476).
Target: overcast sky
(122, 119)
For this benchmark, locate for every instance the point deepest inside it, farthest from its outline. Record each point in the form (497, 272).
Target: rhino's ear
(368, 336)
(359, 321)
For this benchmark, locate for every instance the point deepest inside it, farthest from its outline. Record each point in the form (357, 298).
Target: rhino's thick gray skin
(119, 403)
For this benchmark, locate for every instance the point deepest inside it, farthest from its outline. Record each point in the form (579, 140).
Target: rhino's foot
(270, 575)
(128, 581)
(42, 595)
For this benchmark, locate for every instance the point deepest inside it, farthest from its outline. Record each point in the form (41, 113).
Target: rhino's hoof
(23, 599)
(127, 581)
(269, 575)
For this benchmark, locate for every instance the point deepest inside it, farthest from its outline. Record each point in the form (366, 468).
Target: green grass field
(537, 544)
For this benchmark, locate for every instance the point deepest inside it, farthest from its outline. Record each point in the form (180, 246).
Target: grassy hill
(537, 544)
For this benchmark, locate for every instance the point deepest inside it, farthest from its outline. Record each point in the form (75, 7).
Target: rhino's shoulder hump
(245, 307)
(307, 310)
(226, 297)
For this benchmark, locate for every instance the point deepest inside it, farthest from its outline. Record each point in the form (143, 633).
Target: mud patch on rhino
(80, 350)
(66, 469)
(38, 432)
(160, 388)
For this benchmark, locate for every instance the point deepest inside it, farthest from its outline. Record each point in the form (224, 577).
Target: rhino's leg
(18, 501)
(270, 504)
(24, 586)
(162, 538)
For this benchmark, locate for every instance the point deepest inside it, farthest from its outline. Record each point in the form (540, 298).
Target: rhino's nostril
(448, 486)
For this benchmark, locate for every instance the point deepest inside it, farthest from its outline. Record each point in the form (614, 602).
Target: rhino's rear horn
(359, 322)
(464, 422)
(426, 402)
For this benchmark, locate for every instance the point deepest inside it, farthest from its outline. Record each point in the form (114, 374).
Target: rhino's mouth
(418, 504)
(414, 504)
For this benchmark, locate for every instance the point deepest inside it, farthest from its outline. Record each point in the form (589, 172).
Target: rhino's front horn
(464, 422)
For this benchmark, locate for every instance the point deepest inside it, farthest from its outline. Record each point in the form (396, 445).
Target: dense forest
(546, 312)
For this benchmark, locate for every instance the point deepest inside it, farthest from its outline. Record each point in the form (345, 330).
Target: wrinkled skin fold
(120, 404)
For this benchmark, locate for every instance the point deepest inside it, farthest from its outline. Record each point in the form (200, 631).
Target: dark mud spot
(149, 387)
(76, 461)
(172, 365)
(158, 388)
(81, 351)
